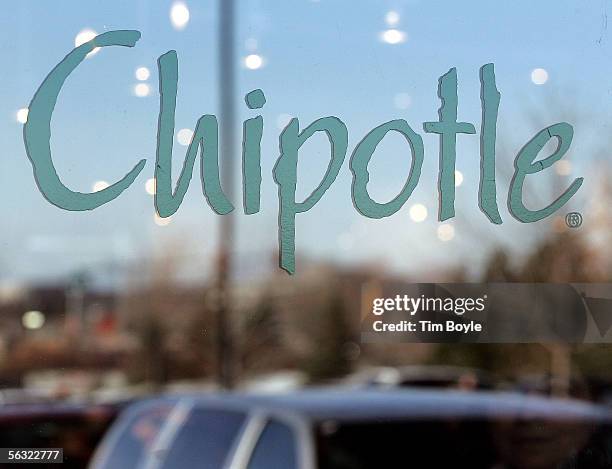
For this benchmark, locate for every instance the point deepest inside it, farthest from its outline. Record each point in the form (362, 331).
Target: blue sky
(319, 58)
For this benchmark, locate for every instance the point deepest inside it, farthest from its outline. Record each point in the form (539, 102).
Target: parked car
(364, 429)
(76, 428)
(451, 377)
(20, 396)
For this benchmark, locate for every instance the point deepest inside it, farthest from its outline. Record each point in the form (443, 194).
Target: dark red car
(76, 428)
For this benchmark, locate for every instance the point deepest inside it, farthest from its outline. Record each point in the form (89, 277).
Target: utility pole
(227, 138)
(75, 305)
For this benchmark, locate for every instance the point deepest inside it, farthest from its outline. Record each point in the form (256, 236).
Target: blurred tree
(196, 343)
(160, 312)
(262, 348)
(152, 335)
(328, 358)
(563, 257)
(498, 268)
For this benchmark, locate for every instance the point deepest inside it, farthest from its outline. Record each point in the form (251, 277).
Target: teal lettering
(524, 164)
(37, 131)
(285, 176)
(205, 137)
(359, 167)
(251, 154)
(448, 128)
(487, 191)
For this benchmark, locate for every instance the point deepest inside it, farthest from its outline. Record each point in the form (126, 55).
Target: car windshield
(476, 443)
(131, 443)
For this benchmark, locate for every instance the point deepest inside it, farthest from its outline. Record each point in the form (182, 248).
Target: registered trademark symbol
(573, 219)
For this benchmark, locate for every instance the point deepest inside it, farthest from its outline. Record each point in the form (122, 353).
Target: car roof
(353, 405)
(54, 410)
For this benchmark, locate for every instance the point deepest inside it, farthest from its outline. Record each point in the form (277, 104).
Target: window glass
(205, 440)
(512, 442)
(137, 438)
(276, 448)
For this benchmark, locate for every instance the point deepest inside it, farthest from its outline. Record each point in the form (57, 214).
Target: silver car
(363, 429)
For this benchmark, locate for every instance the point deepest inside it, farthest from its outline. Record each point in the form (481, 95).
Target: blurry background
(117, 301)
